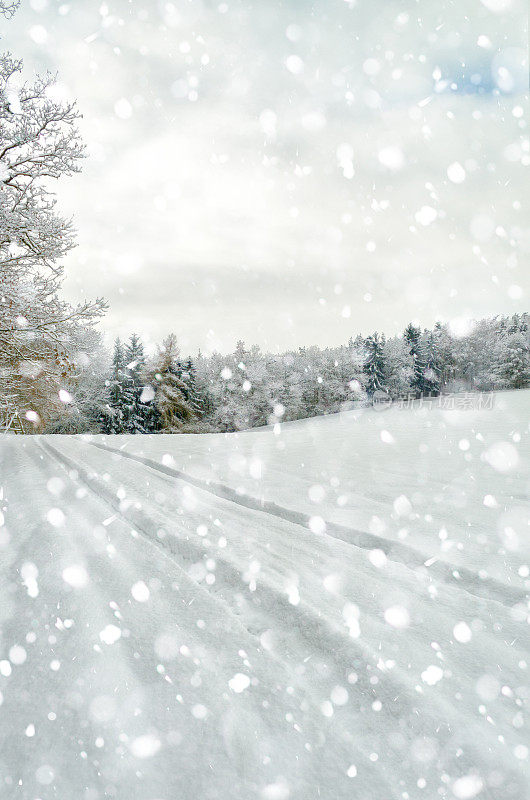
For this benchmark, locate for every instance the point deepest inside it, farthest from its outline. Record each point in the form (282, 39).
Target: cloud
(255, 183)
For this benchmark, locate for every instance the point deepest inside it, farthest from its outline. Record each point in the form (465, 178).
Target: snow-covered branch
(39, 143)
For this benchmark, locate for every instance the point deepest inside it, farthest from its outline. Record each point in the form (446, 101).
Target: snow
(426, 215)
(145, 746)
(239, 683)
(456, 172)
(185, 629)
(397, 616)
(75, 575)
(140, 592)
(110, 634)
(462, 632)
(466, 787)
(65, 397)
(432, 675)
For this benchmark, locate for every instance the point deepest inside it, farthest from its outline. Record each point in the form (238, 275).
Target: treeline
(248, 388)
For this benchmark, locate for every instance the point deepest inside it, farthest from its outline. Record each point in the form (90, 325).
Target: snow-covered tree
(445, 347)
(374, 365)
(84, 393)
(192, 392)
(412, 336)
(113, 417)
(476, 365)
(137, 397)
(39, 143)
(170, 398)
(514, 367)
(432, 372)
(398, 372)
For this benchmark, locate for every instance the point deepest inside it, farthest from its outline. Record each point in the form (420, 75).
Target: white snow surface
(311, 611)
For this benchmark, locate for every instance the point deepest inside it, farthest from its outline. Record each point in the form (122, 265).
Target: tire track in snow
(393, 686)
(484, 588)
(99, 490)
(333, 646)
(309, 621)
(232, 627)
(308, 617)
(310, 626)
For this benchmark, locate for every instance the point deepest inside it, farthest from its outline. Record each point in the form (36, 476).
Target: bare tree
(8, 7)
(39, 143)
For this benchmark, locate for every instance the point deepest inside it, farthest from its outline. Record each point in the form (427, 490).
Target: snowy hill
(335, 608)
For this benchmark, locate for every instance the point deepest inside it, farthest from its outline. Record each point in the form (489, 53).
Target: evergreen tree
(118, 364)
(432, 371)
(374, 365)
(418, 383)
(137, 398)
(171, 403)
(113, 418)
(191, 392)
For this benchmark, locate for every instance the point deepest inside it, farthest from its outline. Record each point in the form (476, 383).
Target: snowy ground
(336, 609)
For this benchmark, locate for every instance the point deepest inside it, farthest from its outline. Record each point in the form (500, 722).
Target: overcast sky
(289, 172)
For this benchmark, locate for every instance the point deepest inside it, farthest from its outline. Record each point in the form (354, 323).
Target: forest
(130, 392)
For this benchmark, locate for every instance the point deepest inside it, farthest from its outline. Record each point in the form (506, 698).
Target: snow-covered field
(334, 609)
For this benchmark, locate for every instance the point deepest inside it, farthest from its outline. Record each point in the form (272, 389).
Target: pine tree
(170, 399)
(137, 398)
(374, 365)
(418, 383)
(113, 420)
(191, 393)
(118, 364)
(432, 371)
